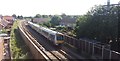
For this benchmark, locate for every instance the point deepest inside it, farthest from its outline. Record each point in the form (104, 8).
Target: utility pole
(108, 5)
(108, 2)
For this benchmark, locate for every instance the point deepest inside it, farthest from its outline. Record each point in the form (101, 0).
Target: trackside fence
(95, 49)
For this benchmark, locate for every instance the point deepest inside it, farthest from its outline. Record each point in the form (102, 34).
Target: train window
(44, 32)
(52, 36)
(59, 37)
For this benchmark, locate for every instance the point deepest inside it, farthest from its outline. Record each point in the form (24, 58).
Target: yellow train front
(59, 39)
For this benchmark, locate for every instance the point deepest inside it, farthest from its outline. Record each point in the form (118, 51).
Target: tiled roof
(3, 23)
(8, 17)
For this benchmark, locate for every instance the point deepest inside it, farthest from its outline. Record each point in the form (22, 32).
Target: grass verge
(19, 49)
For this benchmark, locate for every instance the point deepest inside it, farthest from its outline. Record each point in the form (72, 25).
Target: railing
(97, 50)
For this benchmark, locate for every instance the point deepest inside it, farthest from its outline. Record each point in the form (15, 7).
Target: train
(55, 37)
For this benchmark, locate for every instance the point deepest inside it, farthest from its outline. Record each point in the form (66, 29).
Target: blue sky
(33, 7)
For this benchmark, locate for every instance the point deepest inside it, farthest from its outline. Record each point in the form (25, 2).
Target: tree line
(101, 24)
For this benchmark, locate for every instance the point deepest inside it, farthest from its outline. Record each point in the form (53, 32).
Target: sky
(49, 7)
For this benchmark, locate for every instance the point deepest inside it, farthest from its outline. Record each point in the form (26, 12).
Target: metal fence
(95, 49)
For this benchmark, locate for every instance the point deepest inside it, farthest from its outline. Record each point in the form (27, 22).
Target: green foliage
(3, 31)
(19, 50)
(41, 16)
(60, 28)
(38, 16)
(14, 15)
(46, 24)
(20, 17)
(99, 23)
(45, 16)
(55, 21)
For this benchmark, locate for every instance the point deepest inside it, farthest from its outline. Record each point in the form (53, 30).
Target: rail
(48, 55)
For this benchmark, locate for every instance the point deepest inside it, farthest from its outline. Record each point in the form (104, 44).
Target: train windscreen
(59, 37)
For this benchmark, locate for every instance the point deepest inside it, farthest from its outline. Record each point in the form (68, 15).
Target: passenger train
(55, 37)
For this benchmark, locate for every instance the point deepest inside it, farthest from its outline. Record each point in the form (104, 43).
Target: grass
(19, 49)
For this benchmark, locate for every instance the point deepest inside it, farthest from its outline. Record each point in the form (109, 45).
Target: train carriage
(55, 37)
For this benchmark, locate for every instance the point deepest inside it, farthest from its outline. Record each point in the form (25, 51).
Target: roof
(48, 30)
(8, 17)
(7, 37)
(40, 20)
(68, 20)
(3, 35)
(3, 22)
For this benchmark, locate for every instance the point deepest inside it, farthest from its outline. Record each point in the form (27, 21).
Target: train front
(59, 38)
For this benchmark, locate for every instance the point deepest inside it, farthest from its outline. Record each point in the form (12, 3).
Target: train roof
(50, 31)
(33, 24)
(46, 29)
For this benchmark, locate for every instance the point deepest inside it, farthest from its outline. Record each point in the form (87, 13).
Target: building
(4, 47)
(68, 21)
(3, 24)
(6, 22)
(40, 20)
(1, 48)
(9, 20)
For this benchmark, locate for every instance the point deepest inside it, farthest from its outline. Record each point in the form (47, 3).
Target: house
(3, 24)
(40, 20)
(9, 20)
(68, 21)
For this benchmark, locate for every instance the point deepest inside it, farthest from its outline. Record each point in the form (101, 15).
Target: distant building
(40, 20)
(68, 21)
(3, 24)
(9, 20)
(0, 16)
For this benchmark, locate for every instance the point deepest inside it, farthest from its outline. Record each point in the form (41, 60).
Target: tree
(99, 23)
(38, 16)
(55, 21)
(14, 16)
(63, 15)
(20, 17)
(47, 24)
(45, 16)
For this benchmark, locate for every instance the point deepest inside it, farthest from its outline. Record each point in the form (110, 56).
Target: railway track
(51, 52)
(64, 51)
(50, 55)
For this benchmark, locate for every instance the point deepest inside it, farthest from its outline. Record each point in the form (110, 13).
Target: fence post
(89, 47)
(102, 52)
(110, 55)
(93, 49)
(85, 46)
